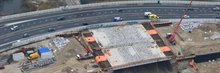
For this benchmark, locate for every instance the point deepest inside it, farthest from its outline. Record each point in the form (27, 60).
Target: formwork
(129, 45)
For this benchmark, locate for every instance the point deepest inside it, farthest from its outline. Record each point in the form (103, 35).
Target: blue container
(43, 50)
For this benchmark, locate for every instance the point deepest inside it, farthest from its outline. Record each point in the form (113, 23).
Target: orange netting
(90, 39)
(165, 49)
(152, 31)
(100, 59)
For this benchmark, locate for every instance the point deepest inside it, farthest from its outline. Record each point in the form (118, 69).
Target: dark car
(51, 29)
(61, 18)
(119, 10)
(26, 35)
(191, 9)
(217, 16)
(85, 24)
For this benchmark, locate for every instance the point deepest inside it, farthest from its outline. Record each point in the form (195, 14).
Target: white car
(147, 13)
(216, 9)
(186, 16)
(14, 28)
(117, 19)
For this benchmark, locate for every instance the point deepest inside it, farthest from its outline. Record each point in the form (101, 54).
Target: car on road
(119, 10)
(61, 18)
(85, 23)
(186, 16)
(26, 35)
(51, 29)
(115, 19)
(216, 9)
(218, 16)
(14, 28)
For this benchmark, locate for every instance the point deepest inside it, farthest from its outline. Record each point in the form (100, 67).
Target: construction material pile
(189, 26)
(215, 36)
(60, 42)
(27, 66)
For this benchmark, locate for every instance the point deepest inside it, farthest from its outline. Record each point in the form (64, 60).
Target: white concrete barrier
(98, 5)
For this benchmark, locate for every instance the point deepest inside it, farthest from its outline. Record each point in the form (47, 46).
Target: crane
(171, 36)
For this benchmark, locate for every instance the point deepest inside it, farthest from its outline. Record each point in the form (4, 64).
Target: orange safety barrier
(100, 59)
(152, 31)
(90, 39)
(165, 49)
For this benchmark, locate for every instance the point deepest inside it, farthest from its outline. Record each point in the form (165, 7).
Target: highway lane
(77, 22)
(74, 19)
(157, 10)
(104, 7)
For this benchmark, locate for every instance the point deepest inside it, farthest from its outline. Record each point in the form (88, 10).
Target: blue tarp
(43, 50)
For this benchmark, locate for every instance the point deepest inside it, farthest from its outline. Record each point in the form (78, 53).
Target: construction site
(153, 46)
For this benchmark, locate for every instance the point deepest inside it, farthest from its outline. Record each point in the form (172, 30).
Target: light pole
(158, 1)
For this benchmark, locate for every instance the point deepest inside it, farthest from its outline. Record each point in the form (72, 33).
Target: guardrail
(97, 5)
(91, 26)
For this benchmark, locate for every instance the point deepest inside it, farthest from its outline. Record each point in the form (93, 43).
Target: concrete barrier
(97, 5)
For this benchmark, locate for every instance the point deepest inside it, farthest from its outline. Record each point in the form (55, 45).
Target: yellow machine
(151, 16)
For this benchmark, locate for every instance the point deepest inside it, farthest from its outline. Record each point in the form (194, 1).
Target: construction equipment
(150, 15)
(193, 65)
(171, 37)
(88, 55)
(2, 66)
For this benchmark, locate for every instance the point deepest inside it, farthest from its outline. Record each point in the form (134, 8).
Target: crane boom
(178, 24)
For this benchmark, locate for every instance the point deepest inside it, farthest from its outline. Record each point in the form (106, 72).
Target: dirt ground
(197, 42)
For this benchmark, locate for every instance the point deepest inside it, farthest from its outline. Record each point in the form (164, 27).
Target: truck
(88, 55)
(171, 38)
(151, 15)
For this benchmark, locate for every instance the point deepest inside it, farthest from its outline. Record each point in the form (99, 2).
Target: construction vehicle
(150, 15)
(88, 55)
(115, 19)
(193, 65)
(171, 36)
(2, 66)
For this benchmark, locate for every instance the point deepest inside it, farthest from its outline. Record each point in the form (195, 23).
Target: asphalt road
(40, 24)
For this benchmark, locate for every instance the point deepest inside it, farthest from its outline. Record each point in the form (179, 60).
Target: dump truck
(150, 15)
